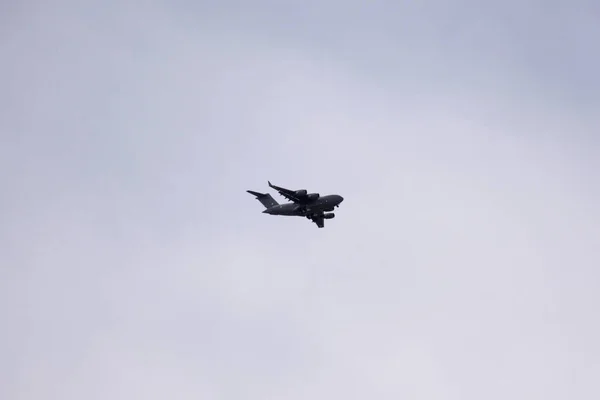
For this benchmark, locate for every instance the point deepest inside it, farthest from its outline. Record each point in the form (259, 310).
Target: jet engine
(313, 196)
(301, 192)
(329, 216)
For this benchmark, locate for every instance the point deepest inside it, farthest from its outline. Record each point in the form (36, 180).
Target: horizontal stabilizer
(257, 194)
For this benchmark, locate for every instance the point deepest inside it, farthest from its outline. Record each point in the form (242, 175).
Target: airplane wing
(287, 193)
(319, 220)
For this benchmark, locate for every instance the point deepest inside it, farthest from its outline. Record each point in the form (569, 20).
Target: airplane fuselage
(320, 205)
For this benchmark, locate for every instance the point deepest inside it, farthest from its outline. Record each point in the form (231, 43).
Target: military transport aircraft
(310, 205)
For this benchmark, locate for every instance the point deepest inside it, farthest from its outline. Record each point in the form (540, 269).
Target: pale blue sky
(461, 265)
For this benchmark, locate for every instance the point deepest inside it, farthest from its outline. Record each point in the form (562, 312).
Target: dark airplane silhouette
(310, 205)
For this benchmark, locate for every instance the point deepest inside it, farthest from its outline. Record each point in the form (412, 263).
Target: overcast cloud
(463, 263)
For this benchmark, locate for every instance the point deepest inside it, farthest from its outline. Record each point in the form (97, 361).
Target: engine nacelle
(301, 192)
(329, 216)
(313, 196)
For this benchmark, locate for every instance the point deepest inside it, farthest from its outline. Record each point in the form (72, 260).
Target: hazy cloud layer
(462, 264)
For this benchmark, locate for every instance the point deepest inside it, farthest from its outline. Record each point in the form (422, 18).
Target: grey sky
(463, 263)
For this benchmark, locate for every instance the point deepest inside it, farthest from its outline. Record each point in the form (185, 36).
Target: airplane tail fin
(265, 198)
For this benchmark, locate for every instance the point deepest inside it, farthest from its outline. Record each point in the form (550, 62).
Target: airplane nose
(341, 199)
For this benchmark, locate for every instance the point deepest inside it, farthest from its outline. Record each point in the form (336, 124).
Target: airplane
(310, 205)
